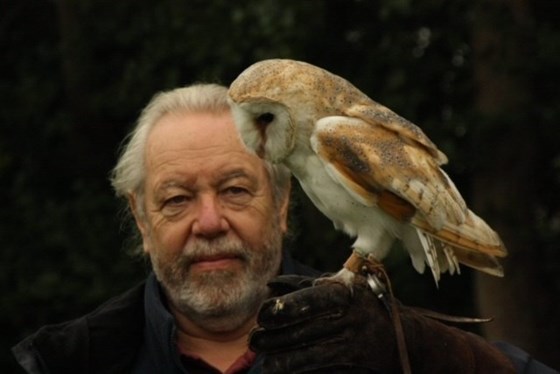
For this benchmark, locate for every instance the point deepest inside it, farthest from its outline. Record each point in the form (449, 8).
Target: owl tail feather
(472, 243)
(480, 261)
(439, 256)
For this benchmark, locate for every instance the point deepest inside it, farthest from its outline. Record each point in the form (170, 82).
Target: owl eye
(264, 119)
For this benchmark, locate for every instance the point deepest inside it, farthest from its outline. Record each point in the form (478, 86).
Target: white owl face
(266, 129)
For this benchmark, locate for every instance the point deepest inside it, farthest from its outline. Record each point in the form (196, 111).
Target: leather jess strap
(380, 284)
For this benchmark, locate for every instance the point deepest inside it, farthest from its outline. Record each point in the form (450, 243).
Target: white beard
(220, 300)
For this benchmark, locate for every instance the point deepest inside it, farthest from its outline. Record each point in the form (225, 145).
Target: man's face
(211, 226)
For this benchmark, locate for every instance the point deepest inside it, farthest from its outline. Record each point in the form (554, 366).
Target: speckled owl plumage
(376, 175)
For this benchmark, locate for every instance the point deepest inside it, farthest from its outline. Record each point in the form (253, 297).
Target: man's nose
(210, 221)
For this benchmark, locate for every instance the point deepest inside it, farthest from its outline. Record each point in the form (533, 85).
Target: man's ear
(141, 221)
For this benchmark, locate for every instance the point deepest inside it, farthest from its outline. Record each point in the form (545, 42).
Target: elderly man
(212, 219)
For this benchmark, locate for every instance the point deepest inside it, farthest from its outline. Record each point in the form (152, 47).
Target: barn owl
(374, 174)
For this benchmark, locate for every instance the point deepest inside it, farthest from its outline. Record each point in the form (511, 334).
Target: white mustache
(204, 250)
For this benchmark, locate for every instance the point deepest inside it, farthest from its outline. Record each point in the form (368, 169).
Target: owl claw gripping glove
(328, 328)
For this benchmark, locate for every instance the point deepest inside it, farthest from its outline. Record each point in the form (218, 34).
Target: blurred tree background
(480, 77)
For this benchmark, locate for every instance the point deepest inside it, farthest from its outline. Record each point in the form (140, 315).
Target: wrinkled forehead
(195, 130)
(198, 141)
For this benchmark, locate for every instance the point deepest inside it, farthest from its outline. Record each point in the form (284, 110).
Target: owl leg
(364, 265)
(373, 270)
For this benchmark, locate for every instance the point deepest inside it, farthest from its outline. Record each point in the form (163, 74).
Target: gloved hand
(326, 328)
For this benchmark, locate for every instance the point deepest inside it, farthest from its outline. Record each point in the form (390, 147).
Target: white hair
(129, 174)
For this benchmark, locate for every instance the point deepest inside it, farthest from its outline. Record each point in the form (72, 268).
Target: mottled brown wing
(381, 168)
(376, 114)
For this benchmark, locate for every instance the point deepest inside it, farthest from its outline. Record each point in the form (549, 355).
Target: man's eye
(236, 195)
(236, 190)
(175, 205)
(176, 200)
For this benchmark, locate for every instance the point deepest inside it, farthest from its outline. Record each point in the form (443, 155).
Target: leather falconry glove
(328, 328)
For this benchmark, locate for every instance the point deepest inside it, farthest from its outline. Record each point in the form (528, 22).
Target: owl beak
(260, 150)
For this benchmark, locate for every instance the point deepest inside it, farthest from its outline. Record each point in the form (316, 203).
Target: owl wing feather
(378, 115)
(402, 177)
(380, 166)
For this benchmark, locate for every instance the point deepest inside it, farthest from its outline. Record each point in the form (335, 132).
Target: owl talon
(344, 277)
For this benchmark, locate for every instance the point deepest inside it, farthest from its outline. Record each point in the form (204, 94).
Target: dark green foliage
(75, 75)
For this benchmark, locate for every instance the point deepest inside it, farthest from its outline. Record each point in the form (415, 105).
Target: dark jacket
(118, 338)
(112, 339)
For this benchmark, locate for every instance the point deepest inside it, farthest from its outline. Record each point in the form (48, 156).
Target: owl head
(265, 126)
(274, 106)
